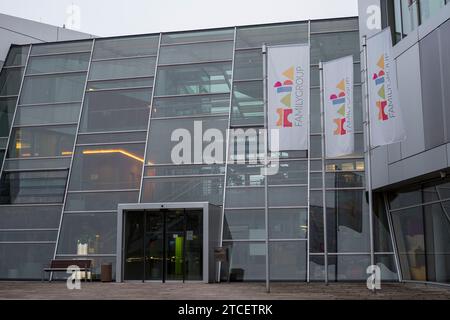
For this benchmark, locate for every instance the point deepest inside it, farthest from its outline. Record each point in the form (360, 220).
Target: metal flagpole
(368, 150)
(324, 201)
(266, 143)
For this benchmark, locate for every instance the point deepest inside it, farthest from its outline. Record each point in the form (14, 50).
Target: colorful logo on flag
(379, 79)
(339, 101)
(284, 92)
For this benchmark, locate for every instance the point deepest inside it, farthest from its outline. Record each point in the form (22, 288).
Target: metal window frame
(43, 74)
(119, 79)
(73, 154)
(15, 110)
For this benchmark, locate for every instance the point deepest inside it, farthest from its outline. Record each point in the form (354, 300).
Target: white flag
(288, 95)
(338, 107)
(386, 121)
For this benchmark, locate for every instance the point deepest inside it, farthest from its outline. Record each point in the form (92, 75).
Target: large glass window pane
(347, 24)
(53, 48)
(196, 36)
(119, 84)
(183, 189)
(405, 197)
(348, 267)
(248, 261)
(37, 163)
(344, 180)
(42, 141)
(180, 170)
(410, 240)
(287, 196)
(248, 65)
(126, 68)
(437, 241)
(254, 37)
(98, 231)
(410, 15)
(24, 261)
(340, 268)
(17, 56)
(119, 110)
(99, 200)
(194, 79)
(191, 106)
(344, 165)
(47, 114)
(89, 138)
(29, 235)
(382, 236)
(160, 144)
(25, 217)
(325, 47)
(247, 104)
(249, 197)
(429, 8)
(53, 88)
(10, 80)
(290, 172)
(288, 223)
(32, 187)
(58, 63)
(288, 260)
(126, 47)
(347, 221)
(245, 175)
(199, 52)
(7, 107)
(244, 225)
(107, 167)
(316, 237)
(388, 267)
(246, 145)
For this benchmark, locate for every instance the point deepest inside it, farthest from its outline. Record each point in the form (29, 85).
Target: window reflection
(194, 79)
(118, 110)
(49, 141)
(107, 167)
(33, 187)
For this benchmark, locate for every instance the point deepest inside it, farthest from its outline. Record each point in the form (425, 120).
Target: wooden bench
(62, 265)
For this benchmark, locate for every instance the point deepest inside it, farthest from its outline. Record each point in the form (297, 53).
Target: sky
(120, 17)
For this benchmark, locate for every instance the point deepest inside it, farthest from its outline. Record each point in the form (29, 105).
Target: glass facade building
(87, 125)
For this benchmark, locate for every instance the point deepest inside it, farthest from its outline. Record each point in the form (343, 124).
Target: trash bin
(106, 272)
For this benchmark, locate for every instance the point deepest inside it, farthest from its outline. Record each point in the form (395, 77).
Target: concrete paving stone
(226, 291)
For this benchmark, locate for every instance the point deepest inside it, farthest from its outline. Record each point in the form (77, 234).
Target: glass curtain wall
(244, 207)
(192, 97)
(10, 81)
(34, 174)
(109, 151)
(421, 221)
(348, 225)
(404, 16)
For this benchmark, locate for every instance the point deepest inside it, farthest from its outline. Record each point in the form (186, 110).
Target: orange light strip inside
(106, 151)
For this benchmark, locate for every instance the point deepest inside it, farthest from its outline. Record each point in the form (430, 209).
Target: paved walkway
(227, 291)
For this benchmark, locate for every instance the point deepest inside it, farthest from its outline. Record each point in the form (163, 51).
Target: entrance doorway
(163, 245)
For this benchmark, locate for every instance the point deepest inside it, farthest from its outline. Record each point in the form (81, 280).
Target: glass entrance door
(163, 245)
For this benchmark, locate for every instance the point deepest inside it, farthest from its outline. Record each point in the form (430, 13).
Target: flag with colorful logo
(386, 120)
(288, 95)
(338, 107)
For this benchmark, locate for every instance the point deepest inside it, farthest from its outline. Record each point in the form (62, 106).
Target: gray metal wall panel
(431, 75)
(394, 152)
(380, 175)
(409, 86)
(423, 163)
(445, 55)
